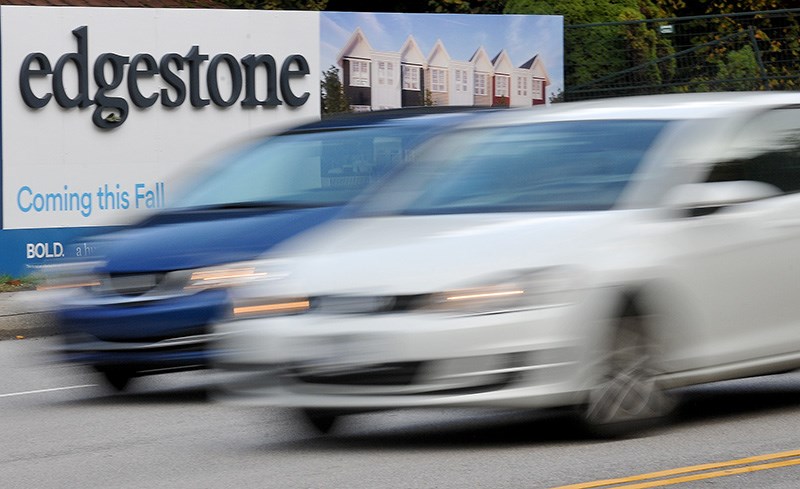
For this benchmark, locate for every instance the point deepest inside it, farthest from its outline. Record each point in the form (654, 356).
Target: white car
(590, 255)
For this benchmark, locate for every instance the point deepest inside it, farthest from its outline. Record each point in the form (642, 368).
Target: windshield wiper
(252, 205)
(255, 204)
(220, 211)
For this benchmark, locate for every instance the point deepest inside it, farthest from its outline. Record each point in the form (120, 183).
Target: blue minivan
(145, 303)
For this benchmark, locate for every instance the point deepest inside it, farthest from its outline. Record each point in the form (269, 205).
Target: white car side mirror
(698, 199)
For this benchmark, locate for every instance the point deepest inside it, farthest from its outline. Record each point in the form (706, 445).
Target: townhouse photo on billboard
(386, 60)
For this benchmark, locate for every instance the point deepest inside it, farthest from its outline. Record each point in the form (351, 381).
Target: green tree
(773, 40)
(467, 7)
(277, 4)
(731, 6)
(433, 6)
(332, 92)
(593, 55)
(427, 101)
(738, 70)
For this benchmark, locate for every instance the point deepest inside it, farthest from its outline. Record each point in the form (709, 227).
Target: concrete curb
(25, 315)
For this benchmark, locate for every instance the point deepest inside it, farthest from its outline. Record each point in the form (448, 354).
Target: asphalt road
(60, 429)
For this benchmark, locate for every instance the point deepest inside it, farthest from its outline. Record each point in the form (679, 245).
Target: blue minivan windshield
(303, 169)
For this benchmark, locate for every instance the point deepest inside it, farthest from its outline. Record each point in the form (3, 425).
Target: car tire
(118, 379)
(626, 397)
(321, 420)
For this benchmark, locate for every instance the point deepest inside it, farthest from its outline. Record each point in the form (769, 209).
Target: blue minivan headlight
(225, 276)
(70, 275)
(234, 275)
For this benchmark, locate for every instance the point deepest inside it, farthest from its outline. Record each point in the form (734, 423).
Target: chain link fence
(743, 51)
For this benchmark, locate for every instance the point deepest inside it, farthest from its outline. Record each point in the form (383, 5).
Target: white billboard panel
(101, 107)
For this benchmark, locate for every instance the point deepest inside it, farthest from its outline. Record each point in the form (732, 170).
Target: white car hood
(419, 254)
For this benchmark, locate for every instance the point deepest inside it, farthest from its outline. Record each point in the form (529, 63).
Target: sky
(522, 36)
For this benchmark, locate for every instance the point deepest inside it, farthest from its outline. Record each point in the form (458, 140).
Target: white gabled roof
(502, 63)
(439, 55)
(480, 60)
(411, 53)
(536, 66)
(355, 47)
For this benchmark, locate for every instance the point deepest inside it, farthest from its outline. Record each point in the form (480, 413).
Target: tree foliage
(432, 6)
(277, 4)
(592, 54)
(467, 7)
(722, 45)
(738, 70)
(731, 6)
(332, 92)
(772, 40)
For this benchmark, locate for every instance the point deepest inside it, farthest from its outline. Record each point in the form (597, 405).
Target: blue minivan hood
(192, 243)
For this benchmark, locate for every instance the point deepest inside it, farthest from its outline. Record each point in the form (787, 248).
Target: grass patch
(14, 284)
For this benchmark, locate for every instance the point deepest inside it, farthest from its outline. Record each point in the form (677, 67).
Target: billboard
(393, 60)
(103, 109)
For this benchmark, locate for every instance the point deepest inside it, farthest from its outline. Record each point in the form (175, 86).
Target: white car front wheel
(626, 397)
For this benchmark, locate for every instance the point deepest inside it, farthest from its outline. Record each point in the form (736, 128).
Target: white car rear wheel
(116, 377)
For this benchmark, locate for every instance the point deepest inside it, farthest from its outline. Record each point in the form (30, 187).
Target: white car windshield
(554, 166)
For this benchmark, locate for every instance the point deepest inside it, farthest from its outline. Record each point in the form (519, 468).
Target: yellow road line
(627, 482)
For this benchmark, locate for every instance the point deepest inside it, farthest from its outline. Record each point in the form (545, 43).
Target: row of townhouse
(375, 80)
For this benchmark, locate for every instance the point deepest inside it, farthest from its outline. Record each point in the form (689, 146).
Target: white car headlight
(528, 289)
(249, 279)
(274, 306)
